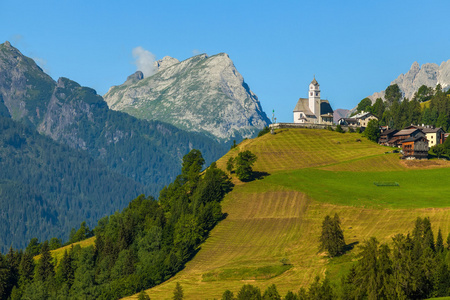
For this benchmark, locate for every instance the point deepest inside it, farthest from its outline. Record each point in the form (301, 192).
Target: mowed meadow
(270, 234)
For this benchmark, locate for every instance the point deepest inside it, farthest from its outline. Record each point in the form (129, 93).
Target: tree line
(396, 113)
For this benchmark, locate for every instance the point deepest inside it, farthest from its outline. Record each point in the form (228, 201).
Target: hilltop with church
(313, 110)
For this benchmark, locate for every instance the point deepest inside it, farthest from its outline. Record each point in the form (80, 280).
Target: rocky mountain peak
(165, 63)
(135, 77)
(7, 44)
(202, 94)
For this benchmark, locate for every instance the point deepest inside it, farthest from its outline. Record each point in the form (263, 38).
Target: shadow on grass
(350, 247)
(256, 176)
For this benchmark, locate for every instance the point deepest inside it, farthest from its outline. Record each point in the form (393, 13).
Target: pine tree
(290, 296)
(249, 292)
(230, 165)
(143, 296)
(332, 237)
(439, 242)
(178, 292)
(66, 268)
(26, 269)
(448, 241)
(45, 268)
(228, 295)
(4, 278)
(271, 293)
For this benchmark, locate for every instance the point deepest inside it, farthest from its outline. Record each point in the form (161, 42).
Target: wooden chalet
(415, 147)
(386, 136)
(399, 137)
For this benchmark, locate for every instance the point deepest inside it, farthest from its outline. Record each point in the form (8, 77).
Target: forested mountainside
(203, 94)
(47, 188)
(143, 155)
(142, 246)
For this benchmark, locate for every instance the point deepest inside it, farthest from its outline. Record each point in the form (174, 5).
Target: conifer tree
(332, 237)
(230, 165)
(66, 268)
(178, 292)
(439, 242)
(290, 296)
(143, 296)
(249, 292)
(4, 278)
(45, 268)
(26, 269)
(271, 293)
(228, 295)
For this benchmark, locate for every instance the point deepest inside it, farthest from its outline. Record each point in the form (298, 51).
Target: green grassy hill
(309, 174)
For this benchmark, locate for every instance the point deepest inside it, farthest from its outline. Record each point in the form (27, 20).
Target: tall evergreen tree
(45, 268)
(439, 242)
(332, 236)
(26, 268)
(178, 292)
(249, 292)
(66, 269)
(271, 293)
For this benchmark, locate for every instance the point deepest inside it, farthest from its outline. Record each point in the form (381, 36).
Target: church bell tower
(314, 98)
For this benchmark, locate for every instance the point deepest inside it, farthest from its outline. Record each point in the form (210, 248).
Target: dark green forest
(142, 246)
(47, 188)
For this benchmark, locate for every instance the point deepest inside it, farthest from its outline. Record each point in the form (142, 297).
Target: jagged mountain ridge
(429, 74)
(201, 94)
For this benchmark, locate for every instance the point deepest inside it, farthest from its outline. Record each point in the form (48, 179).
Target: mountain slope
(201, 94)
(279, 217)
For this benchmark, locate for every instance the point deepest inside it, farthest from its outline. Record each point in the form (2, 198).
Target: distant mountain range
(203, 94)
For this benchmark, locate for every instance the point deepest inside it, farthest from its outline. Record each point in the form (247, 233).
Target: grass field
(309, 174)
(59, 253)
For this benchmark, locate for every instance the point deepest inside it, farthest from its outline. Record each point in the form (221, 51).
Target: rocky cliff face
(24, 88)
(428, 74)
(201, 94)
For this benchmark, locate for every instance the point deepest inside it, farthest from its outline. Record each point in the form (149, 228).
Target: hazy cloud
(42, 63)
(144, 61)
(17, 40)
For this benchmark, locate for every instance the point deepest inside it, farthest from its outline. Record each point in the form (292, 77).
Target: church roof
(303, 106)
(325, 107)
(314, 82)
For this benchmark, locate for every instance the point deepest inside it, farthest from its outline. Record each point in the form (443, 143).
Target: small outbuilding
(415, 147)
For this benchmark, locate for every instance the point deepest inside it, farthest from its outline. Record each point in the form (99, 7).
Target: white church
(313, 110)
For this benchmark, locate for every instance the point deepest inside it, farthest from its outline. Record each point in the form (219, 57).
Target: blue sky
(354, 48)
